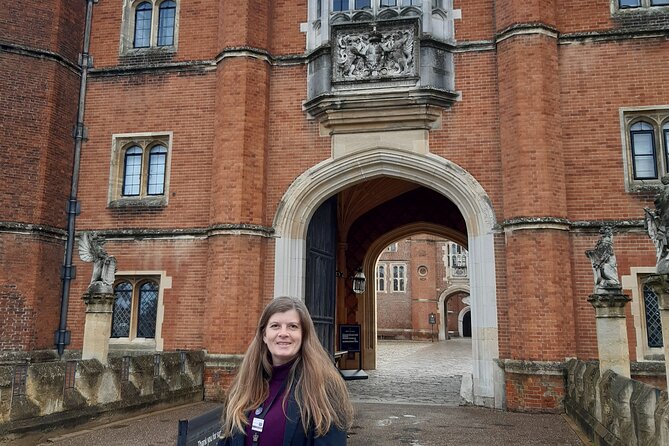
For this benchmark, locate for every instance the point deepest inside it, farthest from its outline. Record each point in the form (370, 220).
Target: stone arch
(461, 317)
(443, 298)
(331, 176)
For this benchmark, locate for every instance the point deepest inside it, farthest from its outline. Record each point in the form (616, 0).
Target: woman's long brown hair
(320, 391)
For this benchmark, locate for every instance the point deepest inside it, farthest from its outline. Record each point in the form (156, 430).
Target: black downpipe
(62, 335)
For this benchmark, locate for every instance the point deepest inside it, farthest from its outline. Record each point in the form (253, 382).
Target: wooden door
(320, 287)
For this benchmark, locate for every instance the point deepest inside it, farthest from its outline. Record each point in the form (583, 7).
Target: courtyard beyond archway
(417, 372)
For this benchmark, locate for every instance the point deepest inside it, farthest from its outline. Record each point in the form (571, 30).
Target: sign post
(432, 319)
(349, 340)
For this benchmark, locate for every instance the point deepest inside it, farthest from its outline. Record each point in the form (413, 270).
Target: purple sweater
(275, 419)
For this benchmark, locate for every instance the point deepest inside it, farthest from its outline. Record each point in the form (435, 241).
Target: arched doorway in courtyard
(383, 195)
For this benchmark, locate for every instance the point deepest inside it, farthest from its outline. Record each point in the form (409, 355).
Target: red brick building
(418, 280)
(234, 151)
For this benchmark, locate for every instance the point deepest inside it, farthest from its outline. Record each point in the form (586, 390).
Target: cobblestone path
(412, 372)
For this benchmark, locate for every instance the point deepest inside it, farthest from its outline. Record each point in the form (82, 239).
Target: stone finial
(104, 266)
(657, 224)
(604, 266)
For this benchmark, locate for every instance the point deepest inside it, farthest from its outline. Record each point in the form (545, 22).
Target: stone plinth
(612, 331)
(660, 284)
(99, 308)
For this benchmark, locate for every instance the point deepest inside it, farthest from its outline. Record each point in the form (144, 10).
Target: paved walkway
(416, 373)
(417, 385)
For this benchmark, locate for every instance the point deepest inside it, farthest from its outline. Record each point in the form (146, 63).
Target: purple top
(275, 418)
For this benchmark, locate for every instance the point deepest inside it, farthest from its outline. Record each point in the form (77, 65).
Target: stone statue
(104, 266)
(657, 224)
(604, 264)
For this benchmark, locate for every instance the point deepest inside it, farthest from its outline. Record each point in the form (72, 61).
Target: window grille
(156, 365)
(19, 380)
(148, 305)
(125, 369)
(122, 310)
(182, 362)
(653, 321)
(70, 374)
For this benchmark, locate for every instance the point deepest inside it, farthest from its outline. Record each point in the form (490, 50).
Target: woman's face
(283, 336)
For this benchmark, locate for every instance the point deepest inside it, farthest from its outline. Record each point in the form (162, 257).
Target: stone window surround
(146, 140)
(126, 47)
(134, 343)
(634, 283)
(404, 277)
(657, 116)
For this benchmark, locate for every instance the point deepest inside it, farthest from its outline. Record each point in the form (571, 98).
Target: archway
(443, 299)
(329, 177)
(465, 322)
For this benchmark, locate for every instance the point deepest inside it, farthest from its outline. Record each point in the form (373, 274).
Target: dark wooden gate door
(320, 292)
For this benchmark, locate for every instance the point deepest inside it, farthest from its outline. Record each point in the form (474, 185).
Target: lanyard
(260, 413)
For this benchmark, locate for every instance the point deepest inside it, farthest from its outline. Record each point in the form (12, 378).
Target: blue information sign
(349, 338)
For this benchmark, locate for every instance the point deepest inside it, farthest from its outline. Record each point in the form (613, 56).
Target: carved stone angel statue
(657, 224)
(604, 265)
(104, 266)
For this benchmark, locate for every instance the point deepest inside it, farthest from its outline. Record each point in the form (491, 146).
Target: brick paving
(411, 372)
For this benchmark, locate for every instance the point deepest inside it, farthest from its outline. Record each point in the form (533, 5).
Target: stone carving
(364, 56)
(604, 264)
(104, 266)
(657, 223)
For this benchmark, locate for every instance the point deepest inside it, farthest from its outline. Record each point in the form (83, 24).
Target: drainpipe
(62, 335)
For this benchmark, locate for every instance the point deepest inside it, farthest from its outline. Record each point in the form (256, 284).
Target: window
(646, 144)
(149, 25)
(139, 170)
(632, 4)
(143, 25)
(166, 20)
(135, 308)
(381, 278)
(138, 181)
(392, 247)
(652, 316)
(399, 278)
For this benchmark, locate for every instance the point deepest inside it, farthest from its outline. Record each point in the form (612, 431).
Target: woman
(287, 391)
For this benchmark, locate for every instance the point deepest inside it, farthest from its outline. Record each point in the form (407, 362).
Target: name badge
(258, 424)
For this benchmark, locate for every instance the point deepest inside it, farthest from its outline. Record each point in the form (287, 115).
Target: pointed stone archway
(443, 298)
(331, 176)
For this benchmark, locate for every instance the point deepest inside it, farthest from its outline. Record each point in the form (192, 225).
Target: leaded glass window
(146, 314)
(659, 2)
(122, 310)
(363, 4)
(387, 3)
(381, 278)
(132, 171)
(166, 20)
(644, 162)
(399, 277)
(157, 163)
(629, 3)
(653, 321)
(143, 25)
